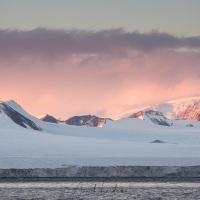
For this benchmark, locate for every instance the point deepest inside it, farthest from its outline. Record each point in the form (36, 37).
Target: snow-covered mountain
(155, 116)
(179, 113)
(13, 116)
(18, 118)
(181, 109)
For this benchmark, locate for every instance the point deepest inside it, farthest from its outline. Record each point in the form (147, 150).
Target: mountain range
(166, 134)
(181, 113)
(84, 120)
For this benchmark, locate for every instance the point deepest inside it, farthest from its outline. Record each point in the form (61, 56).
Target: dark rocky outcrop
(158, 141)
(86, 120)
(159, 119)
(49, 118)
(137, 115)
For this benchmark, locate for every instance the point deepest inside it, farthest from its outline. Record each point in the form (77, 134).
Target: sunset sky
(101, 57)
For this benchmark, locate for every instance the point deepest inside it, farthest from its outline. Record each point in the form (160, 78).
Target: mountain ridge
(17, 117)
(180, 113)
(186, 108)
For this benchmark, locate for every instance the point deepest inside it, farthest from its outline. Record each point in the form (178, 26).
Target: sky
(75, 57)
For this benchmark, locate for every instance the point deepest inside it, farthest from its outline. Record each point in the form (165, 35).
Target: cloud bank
(72, 72)
(45, 43)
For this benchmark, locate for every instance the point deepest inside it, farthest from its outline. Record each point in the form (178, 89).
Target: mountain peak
(86, 120)
(13, 104)
(16, 114)
(187, 109)
(48, 118)
(170, 109)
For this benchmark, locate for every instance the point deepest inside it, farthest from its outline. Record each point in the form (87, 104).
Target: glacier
(124, 142)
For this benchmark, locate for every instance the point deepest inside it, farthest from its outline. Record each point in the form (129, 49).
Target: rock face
(139, 114)
(188, 109)
(49, 118)
(161, 114)
(104, 172)
(18, 118)
(155, 116)
(86, 120)
(192, 112)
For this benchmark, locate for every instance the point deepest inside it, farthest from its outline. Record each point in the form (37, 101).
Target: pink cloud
(66, 73)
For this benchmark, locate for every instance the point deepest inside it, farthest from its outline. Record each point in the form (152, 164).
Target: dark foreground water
(100, 189)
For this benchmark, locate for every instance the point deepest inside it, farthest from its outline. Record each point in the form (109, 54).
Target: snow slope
(120, 142)
(187, 108)
(174, 109)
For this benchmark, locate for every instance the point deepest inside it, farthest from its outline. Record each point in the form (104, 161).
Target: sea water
(101, 189)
